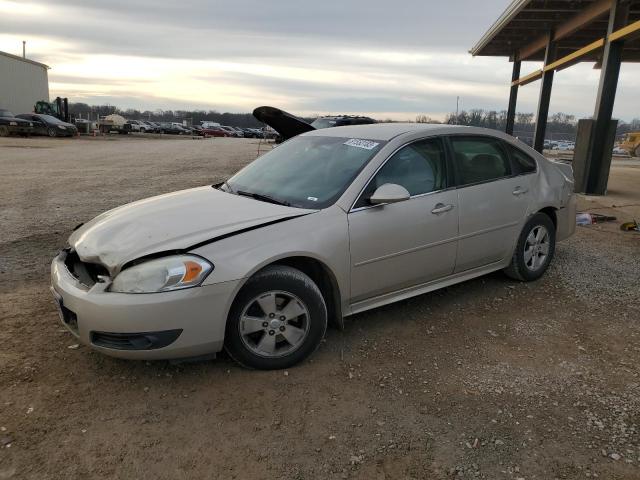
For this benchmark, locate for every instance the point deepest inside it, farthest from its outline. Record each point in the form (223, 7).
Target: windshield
(319, 123)
(306, 171)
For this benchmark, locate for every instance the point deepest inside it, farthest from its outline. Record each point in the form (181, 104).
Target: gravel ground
(487, 379)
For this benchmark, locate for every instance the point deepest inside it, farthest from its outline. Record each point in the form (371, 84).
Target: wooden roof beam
(585, 17)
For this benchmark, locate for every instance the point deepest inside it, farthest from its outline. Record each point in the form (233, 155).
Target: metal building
(562, 33)
(22, 83)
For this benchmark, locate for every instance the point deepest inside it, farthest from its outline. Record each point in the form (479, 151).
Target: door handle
(520, 191)
(441, 208)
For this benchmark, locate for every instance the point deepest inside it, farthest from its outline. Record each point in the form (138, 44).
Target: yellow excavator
(631, 143)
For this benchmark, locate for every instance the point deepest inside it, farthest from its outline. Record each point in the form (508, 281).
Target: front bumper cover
(199, 314)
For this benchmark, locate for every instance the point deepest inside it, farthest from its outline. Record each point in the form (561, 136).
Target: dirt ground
(487, 379)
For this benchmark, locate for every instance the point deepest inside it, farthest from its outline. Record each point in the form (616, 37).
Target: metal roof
(16, 57)
(526, 21)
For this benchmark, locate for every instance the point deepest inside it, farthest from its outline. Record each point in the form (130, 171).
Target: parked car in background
(207, 124)
(49, 125)
(12, 125)
(252, 133)
(240, 131)
(216, 132)
(329, 121)
(135, 125)
(565, 146)
(147, 127)
(332, 223)
(170, 128)
(182, 128)
(197, 130)
(287, 125)
(231, 130)
(158, 127)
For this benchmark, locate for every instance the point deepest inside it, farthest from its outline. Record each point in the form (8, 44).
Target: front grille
(86, 273)
(69, 318)
(135, 341)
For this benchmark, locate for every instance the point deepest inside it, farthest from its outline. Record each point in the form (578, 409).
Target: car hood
(175, 221)
(284, 123)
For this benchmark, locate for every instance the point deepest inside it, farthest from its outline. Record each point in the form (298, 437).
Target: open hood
(172, 222)
(284, 123)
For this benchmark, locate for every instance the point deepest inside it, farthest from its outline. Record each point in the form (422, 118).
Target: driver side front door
(399, 245)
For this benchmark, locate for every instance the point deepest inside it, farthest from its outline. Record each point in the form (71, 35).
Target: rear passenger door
(493, 198)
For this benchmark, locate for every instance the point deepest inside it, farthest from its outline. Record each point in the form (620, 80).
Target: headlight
(13, 124)
(62, 127)
(162, 275)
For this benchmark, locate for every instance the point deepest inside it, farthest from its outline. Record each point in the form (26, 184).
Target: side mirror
(389, 193)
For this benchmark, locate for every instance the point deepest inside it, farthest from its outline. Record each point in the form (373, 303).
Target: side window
(419, 167)
(480, 159)
(521, 163)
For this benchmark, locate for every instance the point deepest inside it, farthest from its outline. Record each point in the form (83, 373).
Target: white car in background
(565, 147)
(135, 125)
(620, 151)
(330, 223)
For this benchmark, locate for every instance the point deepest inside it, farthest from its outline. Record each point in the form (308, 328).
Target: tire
(52, 132)
(636, 153)
(539, 235)
(4, 131)
(257, 337)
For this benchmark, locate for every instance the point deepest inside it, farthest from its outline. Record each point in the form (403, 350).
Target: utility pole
(457, 108)
(24, 49)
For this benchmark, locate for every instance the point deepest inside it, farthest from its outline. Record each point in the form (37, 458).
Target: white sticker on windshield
(366, 144)
(313, 199)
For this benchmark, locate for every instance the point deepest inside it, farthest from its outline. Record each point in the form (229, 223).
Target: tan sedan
(330, 223)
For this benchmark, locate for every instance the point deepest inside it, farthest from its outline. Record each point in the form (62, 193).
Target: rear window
(521, 163)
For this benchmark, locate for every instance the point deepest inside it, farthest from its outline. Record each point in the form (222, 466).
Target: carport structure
(561, 33)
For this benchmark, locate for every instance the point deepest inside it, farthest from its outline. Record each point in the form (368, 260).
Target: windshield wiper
(263, 198)
(226, 184)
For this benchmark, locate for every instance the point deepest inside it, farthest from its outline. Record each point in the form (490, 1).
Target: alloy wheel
(274, 324)
(536, 248)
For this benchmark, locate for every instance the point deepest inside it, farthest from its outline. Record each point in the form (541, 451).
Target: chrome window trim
(499, 179)
(366, 207)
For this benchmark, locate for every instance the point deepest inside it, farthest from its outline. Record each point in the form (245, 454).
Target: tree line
(560, 126)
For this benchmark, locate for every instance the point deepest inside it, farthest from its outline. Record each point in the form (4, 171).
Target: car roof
(385, 131)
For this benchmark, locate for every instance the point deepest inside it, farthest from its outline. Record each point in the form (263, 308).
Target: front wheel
(535, 249)
(278, 319)
(637, 152)
(4, 131)
(52, 132)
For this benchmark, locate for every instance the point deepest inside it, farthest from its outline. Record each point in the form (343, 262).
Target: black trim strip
(243, 230)
(182, 251)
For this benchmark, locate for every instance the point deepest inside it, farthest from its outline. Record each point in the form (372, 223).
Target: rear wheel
(535, 249)
(4, 131)
(278, 319)
(637, 152)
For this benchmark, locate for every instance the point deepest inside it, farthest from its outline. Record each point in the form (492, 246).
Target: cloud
(308, 57)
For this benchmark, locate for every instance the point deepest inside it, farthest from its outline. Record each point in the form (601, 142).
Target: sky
(387, 60)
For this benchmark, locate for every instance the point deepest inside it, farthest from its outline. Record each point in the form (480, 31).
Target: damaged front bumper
(167, 325)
